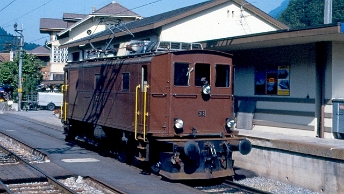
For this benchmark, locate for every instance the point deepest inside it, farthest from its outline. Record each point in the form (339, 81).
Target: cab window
(181, 75)
(222, 76)
(125, 81)
(96, 80)
(202, 73)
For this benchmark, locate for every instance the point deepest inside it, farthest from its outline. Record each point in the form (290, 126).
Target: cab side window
(222, 76)
(125, 81)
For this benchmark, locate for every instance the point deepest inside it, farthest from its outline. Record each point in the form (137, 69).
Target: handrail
(65, 102)
(136, 109)
(62, 103)
(145, 112)
(185, 95)
(159, 95)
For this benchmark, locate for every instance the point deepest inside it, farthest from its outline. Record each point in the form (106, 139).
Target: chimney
(94, 9)
(328, 12)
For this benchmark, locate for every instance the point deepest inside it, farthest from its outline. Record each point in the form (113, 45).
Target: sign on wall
(283, 81)
(272, 80)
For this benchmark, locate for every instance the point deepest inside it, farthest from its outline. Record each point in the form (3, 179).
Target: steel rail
(106, 188)
(244, 188)
(4, 189)
(50, 179)
(24, 146)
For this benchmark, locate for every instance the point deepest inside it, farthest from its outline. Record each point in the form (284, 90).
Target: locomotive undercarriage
(175, 159)
(195, 158)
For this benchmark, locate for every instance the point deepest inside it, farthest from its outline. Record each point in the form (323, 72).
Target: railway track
(21, 149)
(23, 157)
(50, 184)
(223, 188)
(227, 186)
(244, 188)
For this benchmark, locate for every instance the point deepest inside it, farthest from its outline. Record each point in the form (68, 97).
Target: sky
(27, 13)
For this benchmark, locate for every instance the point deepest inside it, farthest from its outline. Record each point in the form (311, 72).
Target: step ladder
(142, 149)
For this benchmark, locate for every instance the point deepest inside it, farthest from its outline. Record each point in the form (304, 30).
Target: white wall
(337, 70)
(225, 20)
(80, 31)
(302, 61)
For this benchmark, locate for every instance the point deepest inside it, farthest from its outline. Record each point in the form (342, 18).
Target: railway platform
(288, 155)
(295, 157)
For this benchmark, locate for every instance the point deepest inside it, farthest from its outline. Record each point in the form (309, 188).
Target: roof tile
(52, 23)
(115, 8)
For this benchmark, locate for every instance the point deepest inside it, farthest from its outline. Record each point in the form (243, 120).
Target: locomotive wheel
(69, 136)
(122, 154)
(155, 168)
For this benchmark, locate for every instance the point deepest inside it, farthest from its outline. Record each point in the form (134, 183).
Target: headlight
(178, 125)
(229, 125)
(206, 89)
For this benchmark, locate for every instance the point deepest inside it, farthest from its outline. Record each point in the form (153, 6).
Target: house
(74, 26)
(43, 53)
(4, 57)
(58, 57)
(203, 21)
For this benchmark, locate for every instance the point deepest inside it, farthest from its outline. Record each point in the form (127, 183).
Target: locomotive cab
(191, 99)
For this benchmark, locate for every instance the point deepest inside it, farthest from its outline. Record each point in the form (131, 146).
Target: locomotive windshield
(202, 72)
(181, 74)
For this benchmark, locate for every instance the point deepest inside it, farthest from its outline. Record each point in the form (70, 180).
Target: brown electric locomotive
(169, 106)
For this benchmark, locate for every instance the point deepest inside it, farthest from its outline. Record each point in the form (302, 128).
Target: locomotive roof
(142, 58)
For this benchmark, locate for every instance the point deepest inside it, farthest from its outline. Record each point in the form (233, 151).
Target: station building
(284, 78)
(290, 78)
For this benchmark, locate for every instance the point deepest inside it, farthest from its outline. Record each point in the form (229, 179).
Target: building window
(272, 80)
(59, 55)
(76, 56)
(57, 76)
(125, 81)
(202, 72)
(222, 76)
(181, 75)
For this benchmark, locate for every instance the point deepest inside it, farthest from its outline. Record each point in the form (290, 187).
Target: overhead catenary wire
(9, 23)
(7, 5)
(121, 24)
(27, 13)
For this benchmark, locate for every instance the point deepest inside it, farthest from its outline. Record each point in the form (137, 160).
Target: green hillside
(8, 42)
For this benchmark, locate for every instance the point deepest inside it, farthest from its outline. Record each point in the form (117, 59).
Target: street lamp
(21, 44)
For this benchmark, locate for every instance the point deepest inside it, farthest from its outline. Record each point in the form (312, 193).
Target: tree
(31, 74)
(305, 13)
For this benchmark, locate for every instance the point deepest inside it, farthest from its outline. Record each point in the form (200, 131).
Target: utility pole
(328, 12)
(21, 44)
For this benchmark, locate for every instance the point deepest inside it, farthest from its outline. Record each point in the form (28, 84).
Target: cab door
(158, 92)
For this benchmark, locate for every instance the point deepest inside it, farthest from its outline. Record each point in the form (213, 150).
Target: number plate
(201, 113)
